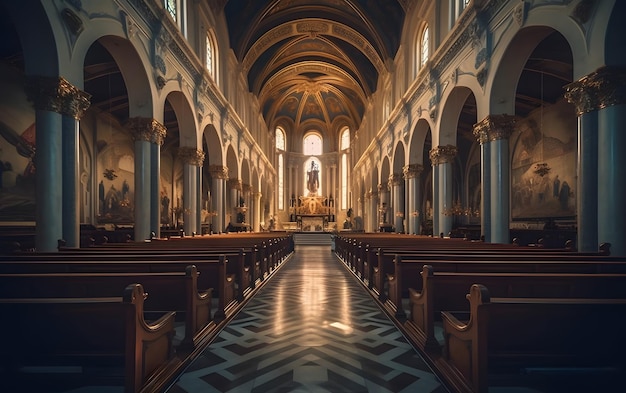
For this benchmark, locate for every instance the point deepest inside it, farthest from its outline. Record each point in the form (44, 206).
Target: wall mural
(543, 170)
(115, 172)
(17, 150)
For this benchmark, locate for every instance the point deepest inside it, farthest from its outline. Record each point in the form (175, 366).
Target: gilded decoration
(443, 154)
(494, 127)
(191, 156)
(601, 89)
(234, 184)
(396, 180)
(383, 187)
(57, 95)
(218, 172)
(412, 171)
(147, 129)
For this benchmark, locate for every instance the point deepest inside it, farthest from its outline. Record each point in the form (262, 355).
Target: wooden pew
(169, 291)
(396, 273)
(441, 291)
(213, 272)
(98, 332)
(502, 338)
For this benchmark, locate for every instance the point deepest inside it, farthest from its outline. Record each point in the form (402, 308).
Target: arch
(185, 118)
(399, 160)
(214, 145)
(232, 163)
(37, 37)
(312, 143)
(418, 138)
(448, 126)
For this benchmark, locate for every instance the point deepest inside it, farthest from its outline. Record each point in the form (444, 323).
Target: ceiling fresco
(314, 60)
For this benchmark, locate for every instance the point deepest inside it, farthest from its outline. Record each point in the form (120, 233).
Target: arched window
(312, 145)
(456, 8)
(344, 146)
(280, 139)
(424, 47)
(280, 146)
(211, 55)
(177, 10)
(345, 139)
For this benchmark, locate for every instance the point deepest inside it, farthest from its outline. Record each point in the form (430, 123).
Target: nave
(312, 328)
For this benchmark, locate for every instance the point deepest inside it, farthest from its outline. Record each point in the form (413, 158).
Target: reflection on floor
(313, 328)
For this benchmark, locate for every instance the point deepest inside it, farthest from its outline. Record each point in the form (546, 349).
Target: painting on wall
(543, 182)
(115, 177)
(17, 174)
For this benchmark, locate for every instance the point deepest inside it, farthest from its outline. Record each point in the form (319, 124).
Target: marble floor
(312, 328)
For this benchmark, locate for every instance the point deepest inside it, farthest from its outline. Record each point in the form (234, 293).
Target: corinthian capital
(147, 129)
(494, 127)
(218, 172)
(412, 171)
(56, 94)
(602, 88)
(191, 156)
(443, 154)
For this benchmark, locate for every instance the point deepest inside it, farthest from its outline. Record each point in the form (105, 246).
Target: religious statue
(313, 181)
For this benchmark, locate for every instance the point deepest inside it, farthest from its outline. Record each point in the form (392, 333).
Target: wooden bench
(169, 291)
(214, 272)
(504, 340)
(396, 273)
(441, 291)
(92, 333)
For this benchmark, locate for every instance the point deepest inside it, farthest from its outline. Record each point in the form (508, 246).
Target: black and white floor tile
(312, 328)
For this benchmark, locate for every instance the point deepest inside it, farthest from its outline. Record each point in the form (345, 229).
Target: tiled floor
(313, 328)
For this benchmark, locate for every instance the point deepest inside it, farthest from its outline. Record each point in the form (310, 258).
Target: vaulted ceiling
(314, 61)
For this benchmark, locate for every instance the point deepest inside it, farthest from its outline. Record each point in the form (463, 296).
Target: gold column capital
(56, 94)
(602, 88)
(443, 154)
(395, 180)
(234, 184)
(191, 155)
(412, 171)
(218, 171)
(147, 129)
(383, 187)
(494, 127)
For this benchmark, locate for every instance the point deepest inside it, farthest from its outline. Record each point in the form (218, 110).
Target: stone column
(495, 130)
(412, 174)
(256, 211)
(396, 182)
(246, 194)
(192, 160)
(383, 208)
(234, 192)
(157, 140)
(75, 103)
(145, 132)
(374, 212)
(600, 99)
(219, 174)
(442, 158)
(47, 95)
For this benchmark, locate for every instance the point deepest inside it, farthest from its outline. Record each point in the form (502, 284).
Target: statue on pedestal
(313, 180)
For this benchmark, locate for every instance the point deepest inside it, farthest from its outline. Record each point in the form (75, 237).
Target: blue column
(46, 95)
(147, 133)
(493, 134)
(75, 102)
(155, 189)
(442, 158)
(612, 178)
(500, 211)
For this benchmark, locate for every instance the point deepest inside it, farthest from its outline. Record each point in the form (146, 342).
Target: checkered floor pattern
(312, 328)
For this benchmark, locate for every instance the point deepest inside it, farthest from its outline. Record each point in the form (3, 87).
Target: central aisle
(312, 328)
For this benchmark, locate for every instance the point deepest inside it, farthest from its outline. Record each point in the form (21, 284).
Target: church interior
(306, 176)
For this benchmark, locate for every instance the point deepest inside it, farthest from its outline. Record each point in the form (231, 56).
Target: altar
(312, 223)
